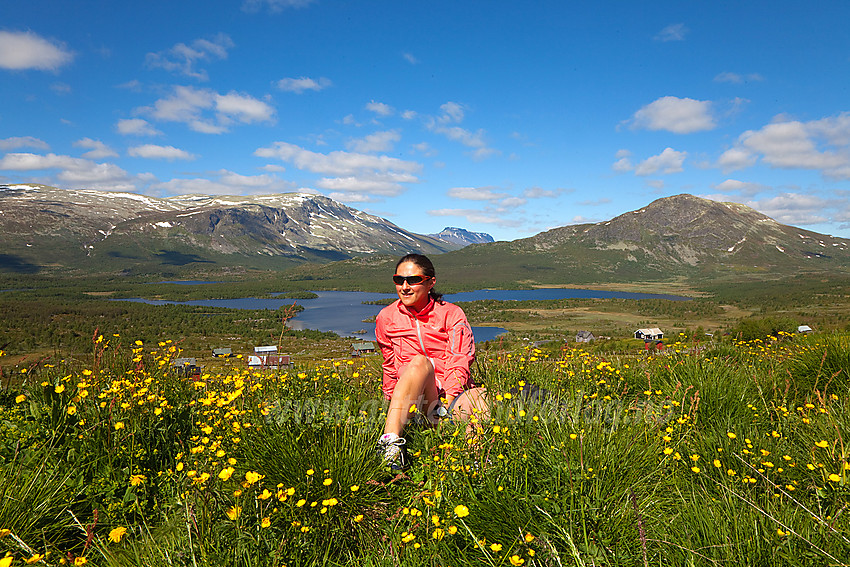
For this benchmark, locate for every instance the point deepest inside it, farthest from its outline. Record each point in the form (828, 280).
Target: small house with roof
(649, 334)
(585, 337)
(222, 352)
(186, 367)
(363, 347)
(269, 361)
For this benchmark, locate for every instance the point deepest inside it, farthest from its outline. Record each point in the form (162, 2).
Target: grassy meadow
(703, 453)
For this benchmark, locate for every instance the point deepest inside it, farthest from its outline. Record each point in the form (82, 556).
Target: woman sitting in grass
(427, 346)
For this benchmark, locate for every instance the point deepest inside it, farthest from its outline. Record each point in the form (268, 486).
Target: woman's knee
(421, 365)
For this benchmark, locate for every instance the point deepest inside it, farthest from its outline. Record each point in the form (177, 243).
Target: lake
(343, 312)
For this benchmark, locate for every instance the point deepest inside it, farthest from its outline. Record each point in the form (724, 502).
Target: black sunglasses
(411, 280)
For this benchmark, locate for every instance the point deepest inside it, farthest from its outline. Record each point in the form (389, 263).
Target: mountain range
(43, 226)
(680, 236)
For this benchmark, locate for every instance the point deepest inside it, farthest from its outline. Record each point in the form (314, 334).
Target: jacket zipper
(419, 336)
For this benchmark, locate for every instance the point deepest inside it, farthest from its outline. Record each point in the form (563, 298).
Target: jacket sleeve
(390, 376)
(460, 352)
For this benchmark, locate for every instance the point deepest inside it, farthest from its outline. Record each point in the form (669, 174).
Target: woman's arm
(460, 352)
(390, 376)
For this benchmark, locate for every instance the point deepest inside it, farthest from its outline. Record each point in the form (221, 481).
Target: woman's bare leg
(416, 386)
(472, 407)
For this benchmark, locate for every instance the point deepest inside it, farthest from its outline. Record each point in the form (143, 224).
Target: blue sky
(503, 117)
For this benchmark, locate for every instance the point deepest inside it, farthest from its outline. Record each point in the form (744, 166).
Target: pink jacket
(440, 331)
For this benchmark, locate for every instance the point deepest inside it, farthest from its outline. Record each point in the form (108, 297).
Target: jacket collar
(422, 312)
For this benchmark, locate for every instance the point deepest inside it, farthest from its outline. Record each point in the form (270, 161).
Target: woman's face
(413, 296)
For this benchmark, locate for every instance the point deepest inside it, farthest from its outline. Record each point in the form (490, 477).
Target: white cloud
(337, 162)
(741, 187)
(352, 172)
(183, 58)
(189, 105)
(425, 149)
(97, 149)
(668, 161)
(380, 108)
(26, 50)
(452, 112)
(736, 158)
(673, 32)
(476, 193)
(737, 78)
(540, 193)
(23, 142)
(225, 182)
(302, 84)
(273, 6)
(77, 172)
(444, 124)
(822, 145)
(793, 208)
(623, 163)
(353, 198)
(375, 142)
(61, 88)
(151, 151)
(410, 58)
(136, 127)
(500, 203)
(383, 184)
(677, 115)
(273, 168)
(475, 216)
(462, 135)
(409, 114)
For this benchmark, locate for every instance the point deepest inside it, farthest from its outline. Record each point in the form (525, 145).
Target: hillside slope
(96, 230)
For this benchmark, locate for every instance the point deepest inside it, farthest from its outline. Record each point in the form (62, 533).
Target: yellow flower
(717, 463)
(695, 469)
(438, 534)
(731, 435)
(71, 410)
(358, 518)
(116, 534)
(822, 444)
(529, 538)
(6, 561)
(20, 398)
(119, 425)
(225, 474)
(496, 547)
(59, 388)
(251, 477)
(327, 481)
(79, 561)
(517, 560)
(452, 530)
(234, 512)
(310, 472)
(265, 495)
(35, 558)
(265, 522)
(354, 488)
(834, 478)
(461, 511)
(137, 479)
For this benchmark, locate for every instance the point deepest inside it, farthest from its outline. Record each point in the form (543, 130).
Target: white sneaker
(392, 450)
